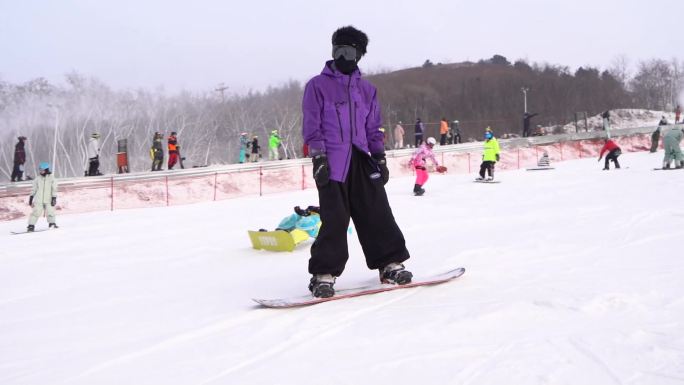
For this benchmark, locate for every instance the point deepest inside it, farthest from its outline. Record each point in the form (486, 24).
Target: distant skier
(455, 133)
(527, 117)
(19, 160)
(671, 141)
(613, 152)
(606, 120)
(157, 152)
(419, 129)
(399, 136)
(273, 144)
(443, 131)
(350, 169)
(544, 160)
(244, 143)
(94, 155)
(678, 113)
(419, 161)
(43, 197)
(174, 149)
(490, 156)
(655, 136)
(254, 145)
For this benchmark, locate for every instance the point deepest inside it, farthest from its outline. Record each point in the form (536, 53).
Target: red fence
(168, 189)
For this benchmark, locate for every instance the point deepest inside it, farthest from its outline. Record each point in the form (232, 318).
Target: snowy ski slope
(574, 276)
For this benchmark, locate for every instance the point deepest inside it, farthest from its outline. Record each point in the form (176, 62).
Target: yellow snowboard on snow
(278, 240)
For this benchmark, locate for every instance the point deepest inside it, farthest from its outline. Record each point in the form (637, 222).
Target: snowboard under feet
(307, 300)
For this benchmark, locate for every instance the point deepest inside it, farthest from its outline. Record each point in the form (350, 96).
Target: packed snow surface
(574, 276)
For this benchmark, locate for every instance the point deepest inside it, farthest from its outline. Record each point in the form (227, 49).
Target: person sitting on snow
(544, 160)
(307, 220)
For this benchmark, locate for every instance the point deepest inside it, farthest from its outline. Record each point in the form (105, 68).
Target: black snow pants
(613, 155)
(487, 166)
(362, 198)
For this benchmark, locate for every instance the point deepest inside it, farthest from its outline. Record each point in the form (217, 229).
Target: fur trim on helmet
(351, 36)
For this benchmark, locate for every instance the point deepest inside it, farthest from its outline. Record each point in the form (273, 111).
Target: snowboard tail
(307, 300)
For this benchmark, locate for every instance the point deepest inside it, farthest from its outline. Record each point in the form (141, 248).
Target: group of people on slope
(157, 151)
(449, 133)
(274, 143)
(672, 137)
(92, 152)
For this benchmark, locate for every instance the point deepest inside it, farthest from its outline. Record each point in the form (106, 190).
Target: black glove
(497, 157)
(54, 201)
(321, 170)
(382, 163)
(31, 201)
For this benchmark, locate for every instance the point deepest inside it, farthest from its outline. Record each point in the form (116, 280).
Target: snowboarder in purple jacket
(341, 127)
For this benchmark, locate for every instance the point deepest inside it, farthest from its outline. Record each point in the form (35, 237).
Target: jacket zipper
(339, 120)
(351, 121)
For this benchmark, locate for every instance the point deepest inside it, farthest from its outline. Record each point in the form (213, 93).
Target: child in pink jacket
(418, 161)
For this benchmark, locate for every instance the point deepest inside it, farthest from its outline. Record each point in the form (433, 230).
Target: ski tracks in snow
(312, 337)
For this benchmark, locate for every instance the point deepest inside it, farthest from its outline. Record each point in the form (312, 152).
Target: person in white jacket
(94, 155)
(43, 197)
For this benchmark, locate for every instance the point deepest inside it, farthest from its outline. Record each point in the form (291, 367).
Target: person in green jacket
(273, 143)
(671, 139)
(490, 156)
(43, 197)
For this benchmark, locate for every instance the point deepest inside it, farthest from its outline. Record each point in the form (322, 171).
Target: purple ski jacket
(341, 111)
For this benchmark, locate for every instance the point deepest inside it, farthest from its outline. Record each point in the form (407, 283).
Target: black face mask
(345, 66)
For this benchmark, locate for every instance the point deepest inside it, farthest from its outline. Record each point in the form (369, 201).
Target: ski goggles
(346, 51)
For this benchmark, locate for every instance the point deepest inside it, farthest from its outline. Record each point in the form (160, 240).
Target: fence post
(167, 190)
(215, 184)
(303, 177)
(518, 158)
(111, 208)
(260, 174)
(469, 171)
(561, 150)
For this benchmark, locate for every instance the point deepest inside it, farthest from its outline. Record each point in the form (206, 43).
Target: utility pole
(221, 88)
(524, 91)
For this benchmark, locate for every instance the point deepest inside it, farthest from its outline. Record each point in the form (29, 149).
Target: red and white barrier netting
(116, 192)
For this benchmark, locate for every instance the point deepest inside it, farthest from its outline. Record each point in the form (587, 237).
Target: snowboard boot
(321, 285)
(395, 273)
(53, 226)
(418, 190)
(489, 179)
(666, 165)
(30, 228)
(479, 178)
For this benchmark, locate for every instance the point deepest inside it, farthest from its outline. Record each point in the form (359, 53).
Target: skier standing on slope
(341, 121)
(490, 155)
(671, 140)
(43, 197)
(613, 152)
(19, 160)
(244, 141)
(419, 161)
(157, 152)
(93, 151)
(273, 144)
(174, 149)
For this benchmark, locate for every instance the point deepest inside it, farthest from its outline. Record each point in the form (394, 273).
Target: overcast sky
(198, 44)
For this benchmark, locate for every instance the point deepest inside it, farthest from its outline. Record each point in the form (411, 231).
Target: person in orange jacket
(173, 150)
(613, 152)
(443, 131)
